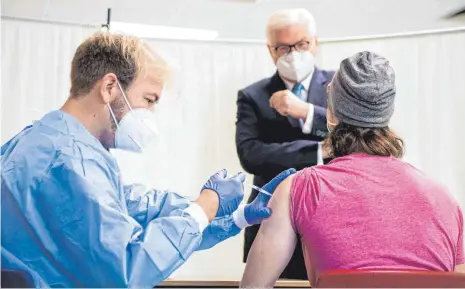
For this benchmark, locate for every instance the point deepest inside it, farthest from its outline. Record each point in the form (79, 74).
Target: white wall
(36, 59)
(239, 19)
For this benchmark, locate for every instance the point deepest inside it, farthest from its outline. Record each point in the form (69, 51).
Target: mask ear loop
(131, 111)
(124, 95)
(112, 115)
(111, 110)
(114, 119)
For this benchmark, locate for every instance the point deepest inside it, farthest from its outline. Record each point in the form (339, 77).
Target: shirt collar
(306, 82)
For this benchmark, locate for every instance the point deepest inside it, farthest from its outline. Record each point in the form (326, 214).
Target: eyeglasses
(286, 49)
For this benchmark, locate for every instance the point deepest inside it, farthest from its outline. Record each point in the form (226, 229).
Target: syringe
(258, 189)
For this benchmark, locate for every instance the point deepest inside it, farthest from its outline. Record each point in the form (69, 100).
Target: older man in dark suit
(281, 120)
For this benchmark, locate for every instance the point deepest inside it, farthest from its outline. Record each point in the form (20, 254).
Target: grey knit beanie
(362, 91)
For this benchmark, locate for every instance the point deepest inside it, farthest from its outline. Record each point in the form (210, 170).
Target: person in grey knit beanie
(362, 91)
(360, 104)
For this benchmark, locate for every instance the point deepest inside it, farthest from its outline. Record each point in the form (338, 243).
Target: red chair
(390, 279)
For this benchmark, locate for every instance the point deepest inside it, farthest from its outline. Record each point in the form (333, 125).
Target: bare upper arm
(274, 244)
(460, 268)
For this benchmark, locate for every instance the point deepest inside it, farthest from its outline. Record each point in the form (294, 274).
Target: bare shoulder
(282, 192)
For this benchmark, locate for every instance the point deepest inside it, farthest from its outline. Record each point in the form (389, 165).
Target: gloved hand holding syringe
(258, 210)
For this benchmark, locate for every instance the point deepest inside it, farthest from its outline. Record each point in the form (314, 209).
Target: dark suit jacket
(268, 143)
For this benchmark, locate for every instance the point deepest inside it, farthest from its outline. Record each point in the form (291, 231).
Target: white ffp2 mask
(136, 129)
(296, 66)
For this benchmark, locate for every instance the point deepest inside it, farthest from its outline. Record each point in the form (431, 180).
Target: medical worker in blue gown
(67, 218)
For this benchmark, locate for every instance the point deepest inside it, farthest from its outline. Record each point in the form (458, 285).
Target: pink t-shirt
(371, 212)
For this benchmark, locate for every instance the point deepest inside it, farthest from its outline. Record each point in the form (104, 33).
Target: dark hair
(346, 139)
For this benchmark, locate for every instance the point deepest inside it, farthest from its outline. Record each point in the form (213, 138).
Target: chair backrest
(390, 279)
(16, 279)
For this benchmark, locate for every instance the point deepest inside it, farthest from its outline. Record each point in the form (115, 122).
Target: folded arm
(268, 159)
(274, 245)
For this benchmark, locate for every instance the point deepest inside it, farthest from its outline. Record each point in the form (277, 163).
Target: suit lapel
(276, 84)
(317, 87)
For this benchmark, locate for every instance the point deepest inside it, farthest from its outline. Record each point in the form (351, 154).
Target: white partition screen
(36, 60)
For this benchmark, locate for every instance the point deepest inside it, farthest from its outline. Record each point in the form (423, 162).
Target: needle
(258, 189)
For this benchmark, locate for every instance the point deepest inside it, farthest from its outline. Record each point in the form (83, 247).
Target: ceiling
(247, 18)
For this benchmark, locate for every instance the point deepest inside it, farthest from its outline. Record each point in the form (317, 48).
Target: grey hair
(288, 17)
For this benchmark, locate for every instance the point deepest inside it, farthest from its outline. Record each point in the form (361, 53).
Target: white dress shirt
(308, 124)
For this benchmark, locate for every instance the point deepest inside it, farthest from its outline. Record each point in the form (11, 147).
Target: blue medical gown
(67, 217)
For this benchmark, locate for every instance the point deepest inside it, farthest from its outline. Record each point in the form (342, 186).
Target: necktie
(298, 91)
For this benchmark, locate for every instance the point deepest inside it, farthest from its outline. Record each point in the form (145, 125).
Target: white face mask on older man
(296, 66)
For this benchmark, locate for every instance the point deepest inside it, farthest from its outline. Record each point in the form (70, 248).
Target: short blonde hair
(288, 17)
(126, 56)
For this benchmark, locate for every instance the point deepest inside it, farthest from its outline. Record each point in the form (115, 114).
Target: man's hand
(288, 104)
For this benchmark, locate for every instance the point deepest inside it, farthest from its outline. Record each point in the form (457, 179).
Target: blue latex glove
(230, 191)
(257, 211)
